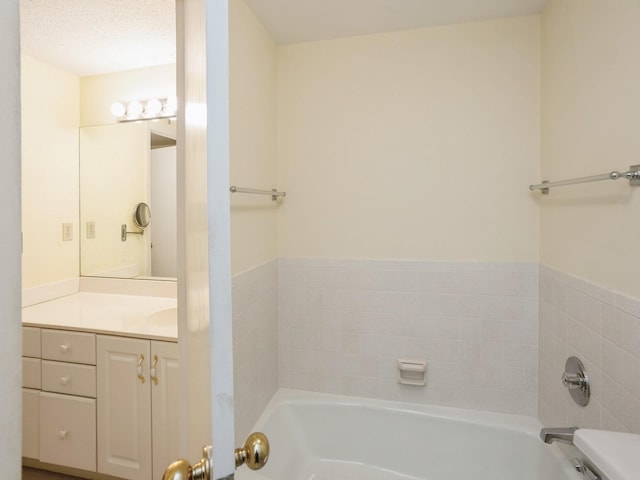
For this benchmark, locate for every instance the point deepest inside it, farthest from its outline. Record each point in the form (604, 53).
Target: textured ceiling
(293, 21)
(90, 37)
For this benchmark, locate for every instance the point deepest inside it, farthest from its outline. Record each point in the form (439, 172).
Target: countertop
(154, 318)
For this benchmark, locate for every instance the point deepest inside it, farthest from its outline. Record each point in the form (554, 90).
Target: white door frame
(10, 244)
(204, 277)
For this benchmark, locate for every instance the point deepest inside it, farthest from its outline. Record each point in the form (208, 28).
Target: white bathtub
(320, 437)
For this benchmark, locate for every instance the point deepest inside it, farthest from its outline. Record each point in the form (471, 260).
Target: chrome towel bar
(273, 192)
(633, 175)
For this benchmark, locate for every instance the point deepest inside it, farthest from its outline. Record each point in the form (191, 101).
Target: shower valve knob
(576, 380)
(573, 380)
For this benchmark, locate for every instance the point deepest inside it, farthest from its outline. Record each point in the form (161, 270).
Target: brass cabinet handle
(140, 375)
(152, 374)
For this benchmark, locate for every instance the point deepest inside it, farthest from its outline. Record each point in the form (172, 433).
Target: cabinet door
(68, 431)
(164, 405)
(31, 423)
(124, 407)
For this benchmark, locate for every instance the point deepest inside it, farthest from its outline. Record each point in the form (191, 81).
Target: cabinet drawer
(69, 378)
(76, 347)
(31, 342)
(68, 431)
(31, 372)
(30, 423)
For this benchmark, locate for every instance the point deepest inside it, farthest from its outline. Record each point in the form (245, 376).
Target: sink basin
(163, 318)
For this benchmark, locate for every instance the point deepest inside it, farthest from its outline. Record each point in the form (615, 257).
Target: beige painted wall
(412, 145)
(253, 139)
(590, 122)
(98, 92)
(50, 117)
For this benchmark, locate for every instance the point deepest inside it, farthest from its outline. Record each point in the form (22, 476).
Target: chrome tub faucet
(564, 435)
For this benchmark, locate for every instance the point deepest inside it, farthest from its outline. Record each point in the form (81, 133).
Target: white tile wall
(255, 344)
(602, 328)
(344, 324)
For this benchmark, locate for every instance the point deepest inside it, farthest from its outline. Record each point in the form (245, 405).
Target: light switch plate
(91, 229)
(67, 232)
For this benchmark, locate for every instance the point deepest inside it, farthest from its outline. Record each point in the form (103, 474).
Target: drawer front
(31, 342)
(76, 347)
(31, 368)
(70, 378)
(30, 423)
(68, 431)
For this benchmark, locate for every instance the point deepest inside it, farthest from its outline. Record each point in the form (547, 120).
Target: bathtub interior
(316, 439)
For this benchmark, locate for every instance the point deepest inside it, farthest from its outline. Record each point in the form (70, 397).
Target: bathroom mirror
(127, 170)
(142, 215)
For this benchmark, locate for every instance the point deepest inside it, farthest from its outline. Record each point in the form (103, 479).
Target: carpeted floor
(34, 474)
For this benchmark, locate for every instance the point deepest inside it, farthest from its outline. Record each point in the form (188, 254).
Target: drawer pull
(64, 380)
(153, 375)
(140, 375)
(64, 348)
(62, 434)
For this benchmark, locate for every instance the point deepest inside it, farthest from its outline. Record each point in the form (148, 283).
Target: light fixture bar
(151, 109)
(141, 119)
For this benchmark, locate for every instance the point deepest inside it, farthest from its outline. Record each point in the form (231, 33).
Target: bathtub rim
(520, 424)
(507, 421)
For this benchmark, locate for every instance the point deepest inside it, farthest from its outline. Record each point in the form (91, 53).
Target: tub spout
(564, 435)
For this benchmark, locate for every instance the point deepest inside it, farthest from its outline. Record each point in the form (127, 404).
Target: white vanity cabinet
(31, 382)
(100, 403)
(137, 406)
(59, 406)
(68, 399)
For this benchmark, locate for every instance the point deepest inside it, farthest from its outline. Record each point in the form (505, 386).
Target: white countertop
(154, 318)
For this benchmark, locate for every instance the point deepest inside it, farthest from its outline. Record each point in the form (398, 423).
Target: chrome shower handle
(574, 380)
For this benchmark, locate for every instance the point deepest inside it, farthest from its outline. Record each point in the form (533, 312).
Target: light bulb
(117, 109)
(134, 109)
(153, 108)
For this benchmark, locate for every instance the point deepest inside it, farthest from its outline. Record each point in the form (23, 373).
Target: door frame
(204, 259)
(10, 244)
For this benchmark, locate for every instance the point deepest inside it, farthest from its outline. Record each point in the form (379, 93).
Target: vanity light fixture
(152, 109)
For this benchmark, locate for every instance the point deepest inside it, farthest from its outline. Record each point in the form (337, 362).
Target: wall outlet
(91, 229)
(67, 232)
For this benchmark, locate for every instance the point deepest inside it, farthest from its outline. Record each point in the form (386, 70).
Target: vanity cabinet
(59, 406)
(68, 399)
(31, 382)
(100, 403)
(137, 406)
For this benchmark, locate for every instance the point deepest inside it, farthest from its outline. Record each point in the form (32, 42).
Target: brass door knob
(255, 452)
(182, 469)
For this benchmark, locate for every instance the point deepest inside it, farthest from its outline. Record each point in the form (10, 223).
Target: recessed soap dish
(412, 372)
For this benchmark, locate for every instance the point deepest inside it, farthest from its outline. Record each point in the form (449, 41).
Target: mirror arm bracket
(124, 233)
